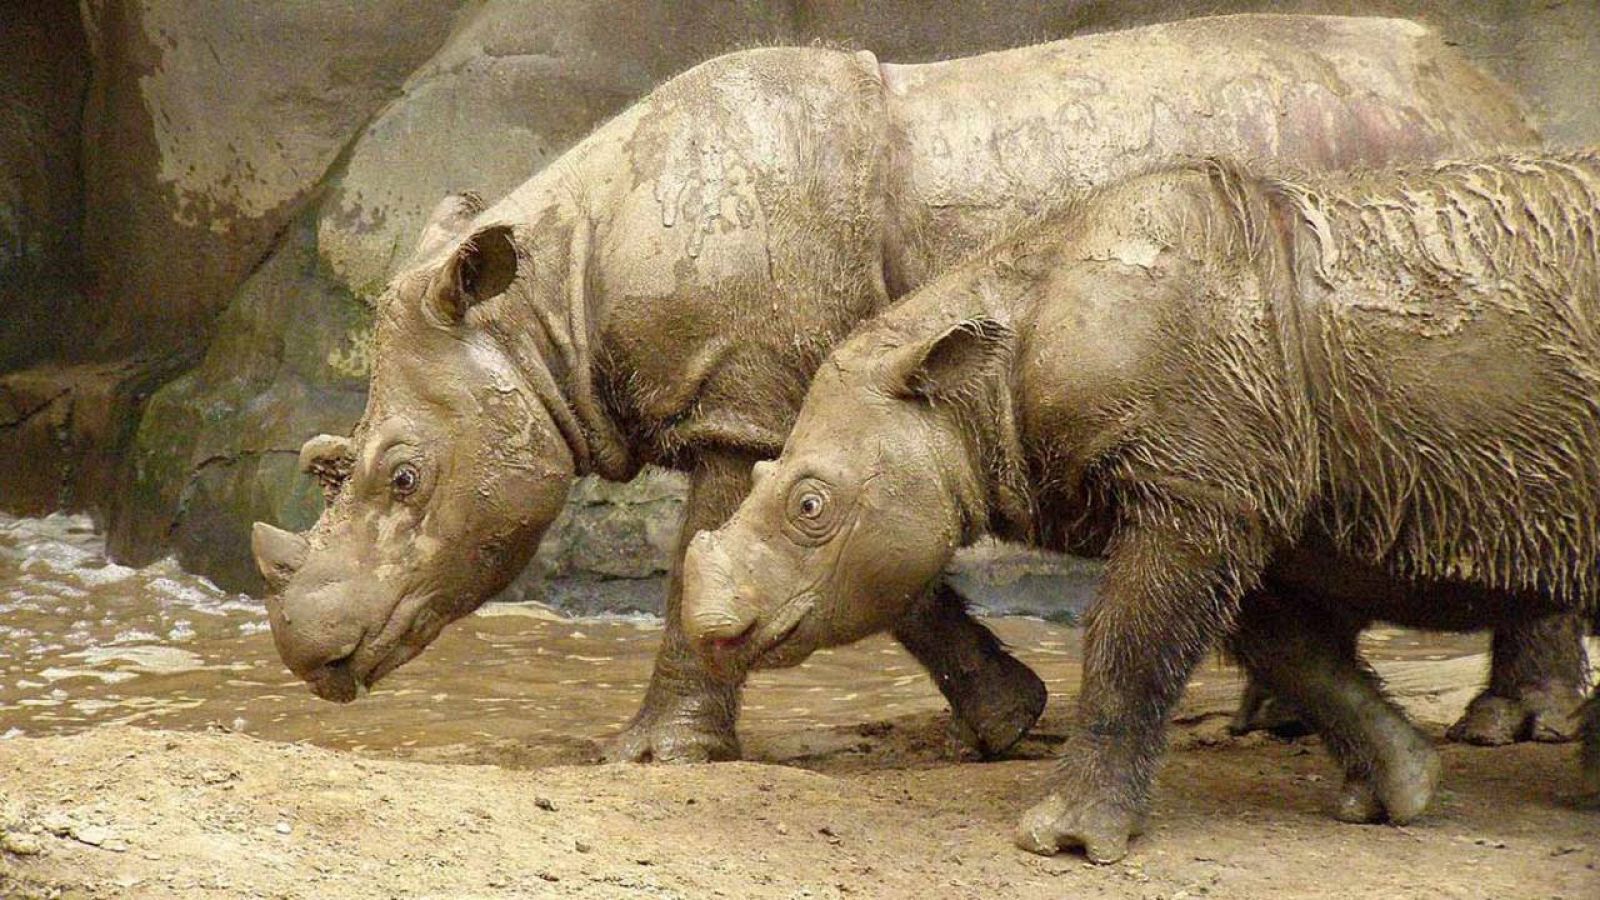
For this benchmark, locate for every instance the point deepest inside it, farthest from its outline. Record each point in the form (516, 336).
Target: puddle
(89, 642)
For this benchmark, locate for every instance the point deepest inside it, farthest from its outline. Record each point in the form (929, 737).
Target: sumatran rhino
(1279, 410)
(663, 292)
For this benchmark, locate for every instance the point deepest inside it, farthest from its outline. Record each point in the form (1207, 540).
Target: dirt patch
(885, 809)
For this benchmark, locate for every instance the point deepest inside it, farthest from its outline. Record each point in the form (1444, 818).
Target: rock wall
(200, 201)
(42, 80)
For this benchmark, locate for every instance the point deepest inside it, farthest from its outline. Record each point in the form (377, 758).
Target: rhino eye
(404, 480)
(811, 516)
(810, 506)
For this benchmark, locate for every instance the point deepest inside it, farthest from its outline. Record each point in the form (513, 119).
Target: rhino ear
(954, 364)
(329, 458)
(448, 220)
(480, 269)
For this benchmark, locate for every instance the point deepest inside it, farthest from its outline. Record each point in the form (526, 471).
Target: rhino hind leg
(1536, 685)
(994, 697)
(1391, 769)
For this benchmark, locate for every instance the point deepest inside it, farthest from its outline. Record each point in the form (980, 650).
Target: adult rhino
(664, 291)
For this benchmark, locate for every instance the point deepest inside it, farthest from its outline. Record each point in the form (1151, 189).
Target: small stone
(582, 846)
(549, 876)
(93, 835)
(20, 844)
(283, 828)
(115, 845)
(782, 828)
(545, 803)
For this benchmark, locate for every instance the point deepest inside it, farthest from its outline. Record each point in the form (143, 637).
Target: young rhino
(1279, 410)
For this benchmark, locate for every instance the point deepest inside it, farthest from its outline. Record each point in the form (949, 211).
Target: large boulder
(205, 128)
(218, 447)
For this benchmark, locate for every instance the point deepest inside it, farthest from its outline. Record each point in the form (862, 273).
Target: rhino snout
(716, 610)
(279, 554)
(314, 634)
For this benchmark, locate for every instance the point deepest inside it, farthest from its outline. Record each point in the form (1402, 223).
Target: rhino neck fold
(551, 344)
(1008, 503)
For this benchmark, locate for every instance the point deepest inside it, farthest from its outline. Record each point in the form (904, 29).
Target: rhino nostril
(335, 681)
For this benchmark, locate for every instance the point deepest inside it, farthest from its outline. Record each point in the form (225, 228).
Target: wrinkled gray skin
(1280, 410)
(663, 292)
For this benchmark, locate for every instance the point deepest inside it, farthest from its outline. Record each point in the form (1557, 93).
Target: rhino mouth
(409, 628)
(336, 681)
(764, 644)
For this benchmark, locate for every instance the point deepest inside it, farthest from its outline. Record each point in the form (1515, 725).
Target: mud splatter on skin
(1280, 409)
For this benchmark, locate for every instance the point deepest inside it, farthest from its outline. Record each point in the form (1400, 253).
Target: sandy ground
(884, 809)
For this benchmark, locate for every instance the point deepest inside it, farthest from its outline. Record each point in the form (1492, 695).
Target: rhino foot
(671, 742)
(1000, 709)
(1397, 790)
(1546, 714)
(679, 724)
(1101, 828)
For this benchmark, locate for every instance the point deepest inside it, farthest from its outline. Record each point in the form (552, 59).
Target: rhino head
(875, 489)
(461, 460)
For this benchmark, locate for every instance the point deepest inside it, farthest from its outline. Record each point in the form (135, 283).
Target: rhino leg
(994, 697)
(689, 711)
(1536, 685)
(1310, 658)
(1162, 604)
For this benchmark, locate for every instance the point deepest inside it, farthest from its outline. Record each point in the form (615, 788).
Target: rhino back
(1458, 322)
(982, 144)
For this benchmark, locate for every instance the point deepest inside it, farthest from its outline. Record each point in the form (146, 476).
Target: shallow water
(90, 642)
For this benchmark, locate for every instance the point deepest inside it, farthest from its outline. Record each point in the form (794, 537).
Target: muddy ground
(881, 807)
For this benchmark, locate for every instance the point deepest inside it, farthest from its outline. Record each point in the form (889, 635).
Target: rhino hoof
(997, 718)
(1101, 829)
(1357, 802)
(1548, 715)
(674, 742)
(1398, 792)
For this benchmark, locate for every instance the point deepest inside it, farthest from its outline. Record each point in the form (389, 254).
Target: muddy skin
(1280, 409)
(663, 293)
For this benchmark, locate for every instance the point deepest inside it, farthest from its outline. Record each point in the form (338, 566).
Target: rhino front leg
(1169, 593)
(994, 697)
(689, 710)
(1537, 683)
